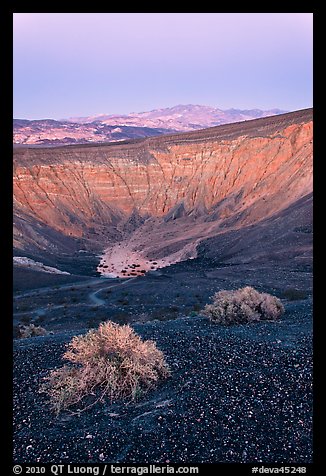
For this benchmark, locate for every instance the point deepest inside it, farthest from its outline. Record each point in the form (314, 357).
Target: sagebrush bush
(31, 331)
(293, 294)
(242, 306)
(111, 361)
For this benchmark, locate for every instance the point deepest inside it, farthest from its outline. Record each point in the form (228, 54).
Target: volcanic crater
(158, 198)
(184, 215)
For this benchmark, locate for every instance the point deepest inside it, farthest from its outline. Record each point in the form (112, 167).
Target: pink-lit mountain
(179, 118)
(115, 128)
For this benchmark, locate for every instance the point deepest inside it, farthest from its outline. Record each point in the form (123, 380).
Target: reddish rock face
(250, 170)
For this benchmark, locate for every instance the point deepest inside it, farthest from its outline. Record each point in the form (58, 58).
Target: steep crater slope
(156, 199)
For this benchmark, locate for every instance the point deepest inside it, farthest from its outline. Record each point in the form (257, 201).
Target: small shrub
(31, 331)
(111, 359)
(16, 331)
(196, 307)
(165, 313)
(26, 319)
(143, 317)
(242, 306)
(192, 314)
(293, 294)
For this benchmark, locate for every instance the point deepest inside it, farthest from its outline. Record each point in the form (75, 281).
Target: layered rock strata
(206, 181)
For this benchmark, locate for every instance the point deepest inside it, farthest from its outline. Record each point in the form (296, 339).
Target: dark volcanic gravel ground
(237, 394)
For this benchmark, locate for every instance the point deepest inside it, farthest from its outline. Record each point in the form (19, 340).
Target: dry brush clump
(242, 306)
(109, 362)
(31, 330)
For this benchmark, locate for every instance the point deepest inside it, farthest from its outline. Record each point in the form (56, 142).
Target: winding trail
(100, 302)
(77, 284)
(92, 295)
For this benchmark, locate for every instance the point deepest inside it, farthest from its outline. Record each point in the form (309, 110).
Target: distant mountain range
(114, 128)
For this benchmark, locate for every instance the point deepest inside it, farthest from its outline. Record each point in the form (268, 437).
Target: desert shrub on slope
(243, 305)
(112, 360)
(30, 330)
(293, 294)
